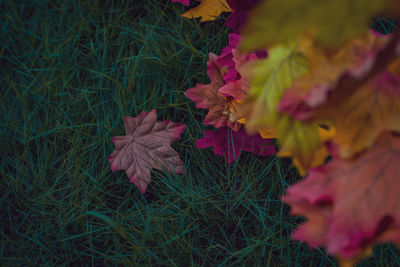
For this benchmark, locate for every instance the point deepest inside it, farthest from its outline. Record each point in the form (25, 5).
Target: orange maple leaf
(326, 66)
(360, 115)
(208, 10)
(360, 119)
(326, 132)
(350, 116)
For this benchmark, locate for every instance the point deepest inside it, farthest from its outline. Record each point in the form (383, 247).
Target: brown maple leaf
(222, 111)
(146, 145)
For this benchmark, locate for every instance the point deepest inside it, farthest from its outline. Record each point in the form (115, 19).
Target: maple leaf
(208, 10)
(354, 56)
(301, 141)
(240, 12)
(350, 204)
(265, 133)
(269, 79)
(374, 108)
(361, 104)
(226, 58)
(233, 60)
(235, 89)
(228, 143)
(146, 145)
(237, 83)
(333, 21)
(185, 2)
(238, 88)
(221, 112)
(313, 151)
(357, 57)
(294, 137)
(231, 110)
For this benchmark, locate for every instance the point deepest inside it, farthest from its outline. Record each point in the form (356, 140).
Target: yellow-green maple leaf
(333, 21)
(303, 142)
(269, 79)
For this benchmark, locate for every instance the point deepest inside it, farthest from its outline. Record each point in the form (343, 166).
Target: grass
(70, 71)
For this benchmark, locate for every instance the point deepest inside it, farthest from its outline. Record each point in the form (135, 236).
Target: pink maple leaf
(227, 58)
(240, 13)
(207, 96)
(238, 89)
(185, 2)
(228, 143)
(146, 145)
(351, 204)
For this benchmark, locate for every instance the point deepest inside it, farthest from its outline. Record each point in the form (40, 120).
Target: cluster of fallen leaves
(146, 144)
(325, 67)
(323, 84)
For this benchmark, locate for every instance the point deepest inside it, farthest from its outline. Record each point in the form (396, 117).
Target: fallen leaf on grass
(208, 10)
(221, 112)
(228, 143)
(185, 2)
(146, 145)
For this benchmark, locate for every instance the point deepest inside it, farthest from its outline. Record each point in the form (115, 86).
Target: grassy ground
(70, 71)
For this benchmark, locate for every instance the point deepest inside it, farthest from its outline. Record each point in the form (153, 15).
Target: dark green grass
(70, 71)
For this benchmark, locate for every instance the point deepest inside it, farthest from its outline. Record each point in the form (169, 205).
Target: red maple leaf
(229, 143)
(185, 2)
(146, 145)
(351, 204)
(239, 88)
